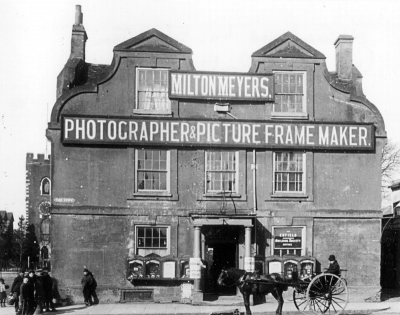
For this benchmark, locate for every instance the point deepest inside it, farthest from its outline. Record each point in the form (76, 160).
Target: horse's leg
(246, 300)
(277, 294)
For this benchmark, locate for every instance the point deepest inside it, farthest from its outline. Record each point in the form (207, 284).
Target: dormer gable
(288, 46)
(153, 41)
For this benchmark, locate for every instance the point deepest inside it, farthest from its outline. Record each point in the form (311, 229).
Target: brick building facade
(158, 168)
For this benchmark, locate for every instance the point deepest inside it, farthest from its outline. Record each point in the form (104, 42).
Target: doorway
(221, 250)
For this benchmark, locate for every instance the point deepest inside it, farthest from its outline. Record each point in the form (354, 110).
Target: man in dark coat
(33, 287)
(87, 282)
(93, 293)
(333, 266)
(47, 291)
(25, 296)
(15, 288)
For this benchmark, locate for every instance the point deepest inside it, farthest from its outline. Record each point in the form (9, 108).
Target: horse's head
(228, 277)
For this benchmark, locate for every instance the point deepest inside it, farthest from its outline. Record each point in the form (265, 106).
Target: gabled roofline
(285, 37)
(125, 46)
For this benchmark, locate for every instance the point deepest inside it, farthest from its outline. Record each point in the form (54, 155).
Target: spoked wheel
(327, 294)
(300, 300)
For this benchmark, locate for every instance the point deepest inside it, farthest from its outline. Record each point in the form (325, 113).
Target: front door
(221, 246)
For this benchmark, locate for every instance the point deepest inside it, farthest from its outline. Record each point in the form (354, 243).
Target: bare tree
(390, 166)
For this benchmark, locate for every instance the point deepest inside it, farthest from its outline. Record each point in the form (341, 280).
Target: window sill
(151, 194)
(222, 195)
(151, 112)
(289, 195)
(288, 115)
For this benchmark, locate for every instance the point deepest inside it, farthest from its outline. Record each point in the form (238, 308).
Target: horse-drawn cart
(325, 293)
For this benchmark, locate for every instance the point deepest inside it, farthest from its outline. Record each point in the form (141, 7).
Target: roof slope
(288, 46)
(153, 41)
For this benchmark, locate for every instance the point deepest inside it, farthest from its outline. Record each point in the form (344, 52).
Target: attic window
(152, 91)
(290, 95)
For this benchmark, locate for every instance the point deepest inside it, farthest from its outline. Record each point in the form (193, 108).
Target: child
(3, 294)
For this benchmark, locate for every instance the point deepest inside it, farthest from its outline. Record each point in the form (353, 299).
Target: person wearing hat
(48, 291)
(87, 283)
(333, 267)
(15, 288)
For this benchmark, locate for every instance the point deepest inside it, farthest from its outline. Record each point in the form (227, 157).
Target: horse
(247, 284)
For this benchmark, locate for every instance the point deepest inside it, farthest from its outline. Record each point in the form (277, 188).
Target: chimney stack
(344, 57)
(79, 36)
(78, 15)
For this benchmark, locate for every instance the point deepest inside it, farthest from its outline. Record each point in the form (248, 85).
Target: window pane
(140, 232)
(156, 242)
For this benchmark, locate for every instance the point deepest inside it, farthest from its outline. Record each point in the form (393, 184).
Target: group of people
(32, 291)
(89, 286)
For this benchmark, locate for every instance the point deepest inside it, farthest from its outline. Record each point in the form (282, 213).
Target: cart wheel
(300, 300)
(327, 294)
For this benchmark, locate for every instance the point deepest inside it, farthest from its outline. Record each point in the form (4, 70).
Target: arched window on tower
(45, 229)
(44, 253)
(45, 186)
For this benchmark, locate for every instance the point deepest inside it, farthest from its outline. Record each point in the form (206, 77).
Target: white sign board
(249, 264)
(275, 267)
(195, 268)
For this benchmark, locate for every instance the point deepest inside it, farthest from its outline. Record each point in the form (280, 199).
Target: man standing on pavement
(87, 283)
(15, 288)
(48, 291)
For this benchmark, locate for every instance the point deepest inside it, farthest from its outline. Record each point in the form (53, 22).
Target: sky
(36, 43)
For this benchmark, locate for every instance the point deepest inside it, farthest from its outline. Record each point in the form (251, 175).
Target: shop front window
(221, 171)
(152, 237)
(289, 174)
(152, 90)
(152, 240)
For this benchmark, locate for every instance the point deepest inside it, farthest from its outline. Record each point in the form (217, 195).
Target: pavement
(389, 306)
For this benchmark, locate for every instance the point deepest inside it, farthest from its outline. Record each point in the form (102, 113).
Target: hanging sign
(221, 86)
(221, 133)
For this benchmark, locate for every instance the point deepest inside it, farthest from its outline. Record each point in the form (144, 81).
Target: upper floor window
(289, 172)
(222, 171)
(152, 90)
(152, 170)
(290, 92)
(45, 186)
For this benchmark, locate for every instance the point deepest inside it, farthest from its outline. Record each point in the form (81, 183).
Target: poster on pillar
(195, 268)
(249, 264)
